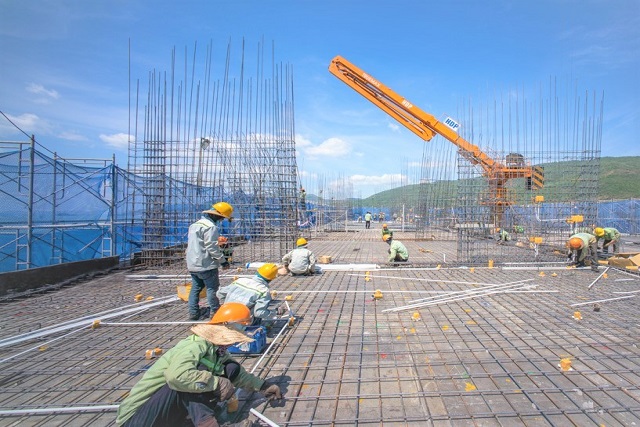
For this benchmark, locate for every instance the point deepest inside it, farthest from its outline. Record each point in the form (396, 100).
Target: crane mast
(426, 126)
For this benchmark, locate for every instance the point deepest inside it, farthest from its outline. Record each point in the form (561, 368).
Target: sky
(66, 67)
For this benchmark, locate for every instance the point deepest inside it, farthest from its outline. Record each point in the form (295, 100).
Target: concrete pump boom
(426, 126)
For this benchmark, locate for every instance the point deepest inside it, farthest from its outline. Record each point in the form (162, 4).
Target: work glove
(271, 391)
(281, 310)
(225, 389)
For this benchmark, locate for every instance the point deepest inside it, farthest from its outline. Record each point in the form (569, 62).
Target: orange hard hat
(386, 237)
(576, 243)
(384, 226)
(222, 240)
(232, 312)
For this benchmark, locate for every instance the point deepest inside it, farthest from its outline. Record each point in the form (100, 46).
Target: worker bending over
(502, 236)
(580, 244)
(192, 378)
(301, 261)
(397, 251)
(611, 237)
(253, 293)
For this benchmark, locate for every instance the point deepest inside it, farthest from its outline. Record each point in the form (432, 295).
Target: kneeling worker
(191, 378)
(301, 261)
(397, 251)
(252, 292)
(581, 243)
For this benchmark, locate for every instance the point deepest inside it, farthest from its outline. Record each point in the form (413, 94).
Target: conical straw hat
(220, 334)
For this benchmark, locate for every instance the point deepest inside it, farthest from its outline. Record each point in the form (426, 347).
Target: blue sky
(64, 67)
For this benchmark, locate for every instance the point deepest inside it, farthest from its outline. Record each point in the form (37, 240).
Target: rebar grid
(491, 360)
(205, 138)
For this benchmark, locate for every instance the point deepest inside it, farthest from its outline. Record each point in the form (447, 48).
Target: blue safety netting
(85, 211)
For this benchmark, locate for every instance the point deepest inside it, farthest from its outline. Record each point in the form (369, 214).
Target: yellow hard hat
(268, 271)
(222, 209)
(386, 237)
(576, 243)
(301, 241)
(384, 225)
(232, 312)
(599, 231)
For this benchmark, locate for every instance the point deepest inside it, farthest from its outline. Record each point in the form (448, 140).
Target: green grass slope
(619, 180)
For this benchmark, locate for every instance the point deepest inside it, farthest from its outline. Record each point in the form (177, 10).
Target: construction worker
(204, 257)
(301, 261)
(502, 236)
(303, 199)
(397, 251)
(227, 251)
(611, 237)
(385, 230)
(367, 220)
(580, 244)
(195, 375)
(518, 229)
(252, 292)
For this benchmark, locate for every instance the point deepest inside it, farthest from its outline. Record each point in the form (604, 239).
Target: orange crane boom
(426, 126)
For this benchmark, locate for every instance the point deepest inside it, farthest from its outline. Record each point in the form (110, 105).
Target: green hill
(618, 181)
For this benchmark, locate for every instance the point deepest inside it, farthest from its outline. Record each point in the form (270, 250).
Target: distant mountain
(619, 180)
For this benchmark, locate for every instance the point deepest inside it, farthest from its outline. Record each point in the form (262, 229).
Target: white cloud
(332, 147)
(72, 136)
(301, 142)
(393, 126)
(393, 178)
(27, 123)
(40, 90)
(119, 141)
(307, 174)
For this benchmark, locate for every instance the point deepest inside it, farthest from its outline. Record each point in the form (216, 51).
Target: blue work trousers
(202, 279)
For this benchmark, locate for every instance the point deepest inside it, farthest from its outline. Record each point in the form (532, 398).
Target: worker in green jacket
(502, 236)
(385, 230)
(192, 377)
(611, 237)
(367, 220)
(397, 251)
(581, 243)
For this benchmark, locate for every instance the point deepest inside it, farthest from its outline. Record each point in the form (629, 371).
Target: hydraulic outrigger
(427, 126)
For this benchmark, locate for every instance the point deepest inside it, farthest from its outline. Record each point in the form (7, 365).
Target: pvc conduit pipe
(70, 409)
(263, 418)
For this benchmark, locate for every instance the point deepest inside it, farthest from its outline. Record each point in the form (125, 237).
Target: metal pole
(32, 154)
(114, 195)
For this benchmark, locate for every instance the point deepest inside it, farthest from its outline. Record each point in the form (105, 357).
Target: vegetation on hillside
(618, 181)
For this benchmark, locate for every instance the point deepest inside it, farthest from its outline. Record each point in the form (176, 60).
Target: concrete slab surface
(483, 347)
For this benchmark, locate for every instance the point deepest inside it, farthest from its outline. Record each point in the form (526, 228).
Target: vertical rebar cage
(558, 137)
(205, 141)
